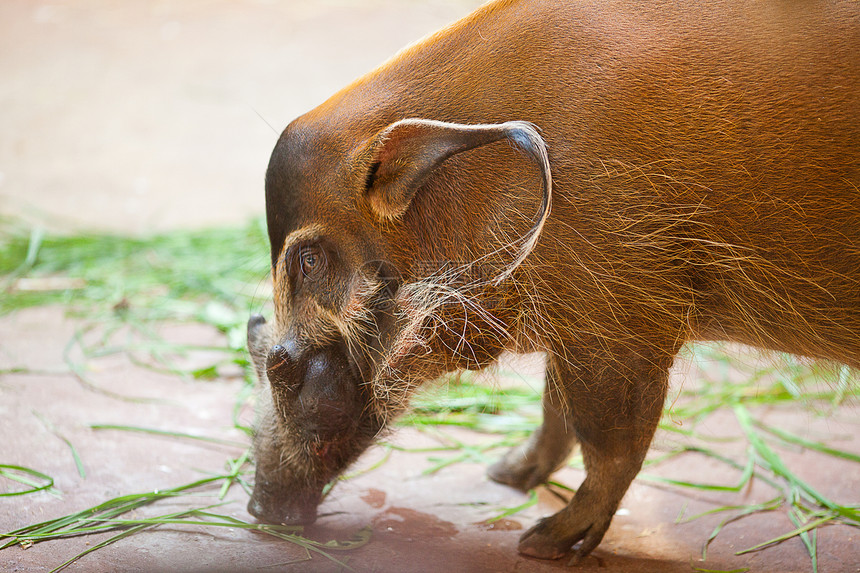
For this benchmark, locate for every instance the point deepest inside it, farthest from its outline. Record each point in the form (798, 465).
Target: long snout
(310, 426)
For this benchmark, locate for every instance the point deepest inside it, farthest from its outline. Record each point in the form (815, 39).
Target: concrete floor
(138, 116)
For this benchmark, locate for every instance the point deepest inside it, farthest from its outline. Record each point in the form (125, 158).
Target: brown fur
(705, 185)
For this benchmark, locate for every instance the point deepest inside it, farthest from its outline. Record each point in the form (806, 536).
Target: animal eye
(311, 261)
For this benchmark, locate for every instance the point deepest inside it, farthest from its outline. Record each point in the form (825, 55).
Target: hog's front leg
(614, 410)
(531, 464)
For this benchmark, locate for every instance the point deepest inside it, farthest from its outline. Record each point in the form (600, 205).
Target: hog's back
(704, 155)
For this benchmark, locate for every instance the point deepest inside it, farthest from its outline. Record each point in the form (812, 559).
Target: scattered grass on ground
(122, 289)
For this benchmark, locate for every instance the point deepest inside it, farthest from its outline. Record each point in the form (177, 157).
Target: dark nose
(281, 365)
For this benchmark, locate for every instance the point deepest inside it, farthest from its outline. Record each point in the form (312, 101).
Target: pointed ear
(406, 152)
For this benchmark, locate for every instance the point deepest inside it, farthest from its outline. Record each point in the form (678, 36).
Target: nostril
(279, 364)
(278, 358)
(278, 352)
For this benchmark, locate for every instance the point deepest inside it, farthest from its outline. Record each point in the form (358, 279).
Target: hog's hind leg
(531, 464)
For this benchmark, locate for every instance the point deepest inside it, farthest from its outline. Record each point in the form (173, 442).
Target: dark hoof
(517, 469)
(539, 543)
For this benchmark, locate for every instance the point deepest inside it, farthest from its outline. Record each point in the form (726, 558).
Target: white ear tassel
(526, 137)
(451, 138)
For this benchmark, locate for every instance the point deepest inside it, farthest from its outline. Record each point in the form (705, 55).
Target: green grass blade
(811, 542)
(234, 467)
(168, 433)
(79, 464)
(97, 546)
(770, 505)
(65, 526)
(794, 533)
(744, 511)
(129, 532)
(19, 474)
(509, 511)
(744, 480)
(775, 463)
(816, 446)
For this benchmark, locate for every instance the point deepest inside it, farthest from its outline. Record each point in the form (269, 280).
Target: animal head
(382, 280)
